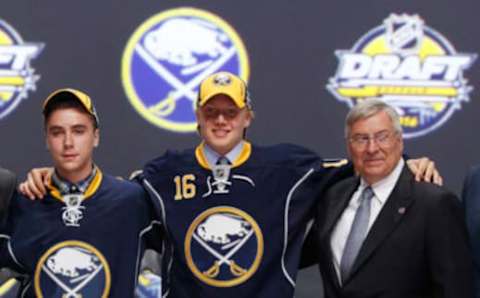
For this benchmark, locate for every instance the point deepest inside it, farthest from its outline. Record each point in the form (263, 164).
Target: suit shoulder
(6, 174)
(431, 188)
(8, 182)
(7, 178)
(435, 195)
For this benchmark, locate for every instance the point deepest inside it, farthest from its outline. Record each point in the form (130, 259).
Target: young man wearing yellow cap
(85, 239)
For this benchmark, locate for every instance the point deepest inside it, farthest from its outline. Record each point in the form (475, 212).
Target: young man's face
(71, 137)
(222, 123)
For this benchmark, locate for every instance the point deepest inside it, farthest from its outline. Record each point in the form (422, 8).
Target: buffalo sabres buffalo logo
(223, 246)
(222, 80)
(169, 55)
(17, 77)
(408, 65)
(72, 269)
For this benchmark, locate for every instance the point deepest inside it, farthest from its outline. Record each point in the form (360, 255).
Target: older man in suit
(384, 235)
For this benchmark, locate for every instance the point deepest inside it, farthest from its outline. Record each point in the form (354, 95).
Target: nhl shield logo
(167, 58)
(404, 33)
(223, 246)
(72, 269)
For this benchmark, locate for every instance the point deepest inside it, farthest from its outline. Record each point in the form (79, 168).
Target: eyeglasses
(213, 113)
(382, 139)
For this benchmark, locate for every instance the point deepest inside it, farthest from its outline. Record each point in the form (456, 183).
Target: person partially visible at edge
(86, 238)
(8, 182)
(471, 204)
(235, 213)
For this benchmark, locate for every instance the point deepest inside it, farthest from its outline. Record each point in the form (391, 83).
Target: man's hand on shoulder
(424, 169)
(35, 186)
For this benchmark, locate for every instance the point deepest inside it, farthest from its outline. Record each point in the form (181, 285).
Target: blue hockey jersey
(236, 231)
(94, 254)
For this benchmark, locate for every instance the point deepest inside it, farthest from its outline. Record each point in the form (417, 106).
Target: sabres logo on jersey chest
(224, 246)
(72, 269)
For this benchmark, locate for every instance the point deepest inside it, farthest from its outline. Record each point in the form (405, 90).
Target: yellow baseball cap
(70, 93)
(224, 83)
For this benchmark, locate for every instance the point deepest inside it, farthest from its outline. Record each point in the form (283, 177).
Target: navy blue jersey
(235, 232)
(94, 253)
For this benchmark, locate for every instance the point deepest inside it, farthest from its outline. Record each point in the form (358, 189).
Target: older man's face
(374, 146)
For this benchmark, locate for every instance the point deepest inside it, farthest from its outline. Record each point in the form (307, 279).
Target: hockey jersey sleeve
(334, 171)
(7, 257)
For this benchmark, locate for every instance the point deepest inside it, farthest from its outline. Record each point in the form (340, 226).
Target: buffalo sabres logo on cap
(17, 77)
(224, 246)
(167, 58)
(222, 79)
(411, 67)
(72, 269)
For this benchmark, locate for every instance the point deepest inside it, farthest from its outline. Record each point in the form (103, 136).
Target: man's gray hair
(368, 108)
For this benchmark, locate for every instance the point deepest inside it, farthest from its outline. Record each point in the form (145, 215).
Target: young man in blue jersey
(86, 238)
(234, 214)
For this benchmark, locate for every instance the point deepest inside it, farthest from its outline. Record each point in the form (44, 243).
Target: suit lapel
(338, 201)
(388, 218)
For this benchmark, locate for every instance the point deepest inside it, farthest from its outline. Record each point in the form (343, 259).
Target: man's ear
(97, 138)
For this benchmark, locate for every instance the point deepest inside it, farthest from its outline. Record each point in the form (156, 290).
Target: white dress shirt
(381, 190)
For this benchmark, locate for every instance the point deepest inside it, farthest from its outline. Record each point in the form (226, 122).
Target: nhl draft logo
(223, 246)
(169, 55)
(409, 66)
(72, 269)
(17, 77)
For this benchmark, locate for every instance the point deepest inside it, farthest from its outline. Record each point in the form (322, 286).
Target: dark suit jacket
(471, 202)
(417, 246)
(7, 188)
